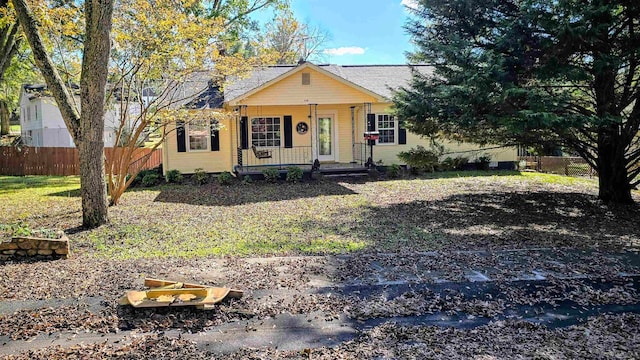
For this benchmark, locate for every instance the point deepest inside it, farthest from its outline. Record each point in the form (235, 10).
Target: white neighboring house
(42, 125)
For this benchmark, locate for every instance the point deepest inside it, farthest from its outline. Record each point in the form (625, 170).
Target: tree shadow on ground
(227, 317)
(491, 220)
(66, 193)
(467, 174)
(219, 195)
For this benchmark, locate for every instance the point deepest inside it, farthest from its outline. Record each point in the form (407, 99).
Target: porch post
(238, 153)
(315, 115)
(310, 134)
(313, 129)
(353, 134)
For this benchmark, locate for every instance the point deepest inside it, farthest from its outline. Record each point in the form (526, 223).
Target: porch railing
(361, 153)
(278, 157)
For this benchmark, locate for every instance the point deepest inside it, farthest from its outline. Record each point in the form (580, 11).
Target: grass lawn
(466, 210)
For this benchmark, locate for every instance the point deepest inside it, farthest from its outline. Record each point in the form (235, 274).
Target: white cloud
(411, 4)
(349, 50)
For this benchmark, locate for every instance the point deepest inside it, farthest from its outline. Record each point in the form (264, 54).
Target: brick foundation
(24, 246)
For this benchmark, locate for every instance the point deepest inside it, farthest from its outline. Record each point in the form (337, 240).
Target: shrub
(246, 180)
(200, 176)
(271, 175)
(420, 158)
(394, 171)
(484, 161)
(446, 164)
(174, 176)
(225, 178)
(138, 179)
(456, 163)
(460, 162)
(151, 179)
(294, 174)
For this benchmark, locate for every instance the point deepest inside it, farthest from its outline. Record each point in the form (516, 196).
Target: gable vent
(306, 78)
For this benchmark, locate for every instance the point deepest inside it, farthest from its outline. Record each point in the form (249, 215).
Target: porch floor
(325, 168)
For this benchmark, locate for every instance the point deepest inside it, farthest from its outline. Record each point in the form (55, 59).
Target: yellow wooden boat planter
(172, 293)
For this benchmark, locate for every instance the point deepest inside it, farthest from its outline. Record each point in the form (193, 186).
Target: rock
(8, 246)
(42, 244)
(32, 252)
(25, 244)
(45, 252)
(9, 252)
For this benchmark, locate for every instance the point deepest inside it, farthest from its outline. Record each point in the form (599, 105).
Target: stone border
(22, 247)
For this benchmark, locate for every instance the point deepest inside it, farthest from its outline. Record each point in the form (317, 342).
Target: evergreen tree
(532, 72)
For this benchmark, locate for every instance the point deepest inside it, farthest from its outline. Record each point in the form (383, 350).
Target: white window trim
(280, 117)
(395, 130)
(208, 140)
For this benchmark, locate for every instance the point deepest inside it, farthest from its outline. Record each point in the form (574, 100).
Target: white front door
(326, 138)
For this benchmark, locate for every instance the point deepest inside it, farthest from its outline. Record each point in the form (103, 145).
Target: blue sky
(362, 31)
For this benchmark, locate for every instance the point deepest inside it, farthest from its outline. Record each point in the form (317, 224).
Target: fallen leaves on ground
(604, 336)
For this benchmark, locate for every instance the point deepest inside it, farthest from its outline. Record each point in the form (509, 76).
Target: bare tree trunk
(87, 129)
(9, 43)
(4, 117)
(55, 84)
(93, 81)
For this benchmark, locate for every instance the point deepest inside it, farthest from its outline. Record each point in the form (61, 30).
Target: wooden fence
(61, 161)
(563, 165)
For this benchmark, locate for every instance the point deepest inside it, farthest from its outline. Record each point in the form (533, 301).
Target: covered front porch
(325, 137)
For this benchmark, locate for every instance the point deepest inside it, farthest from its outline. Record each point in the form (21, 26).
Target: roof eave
(236, 101)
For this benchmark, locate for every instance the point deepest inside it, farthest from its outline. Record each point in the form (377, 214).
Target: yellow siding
(388, 153)
(322, 90)
(226, 158)
(210, 161)
(289, 97)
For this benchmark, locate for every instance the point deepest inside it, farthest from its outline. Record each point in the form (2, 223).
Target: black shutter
(288, 131)
(371, 126)
(215, 136)
(182, 136)
(371, 122)
(402, 133)
(244, 132)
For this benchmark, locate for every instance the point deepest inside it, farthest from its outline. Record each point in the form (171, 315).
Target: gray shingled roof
(379, 79)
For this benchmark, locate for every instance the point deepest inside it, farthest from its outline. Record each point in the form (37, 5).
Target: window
(306, 78)
(265, 131)
(35, 108)
(387, 128)
(198, 134)
(28, 113)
